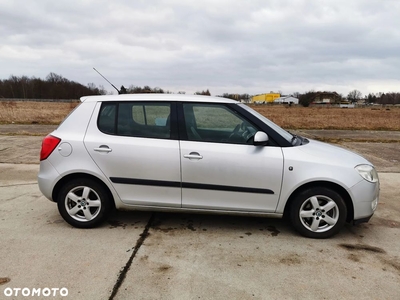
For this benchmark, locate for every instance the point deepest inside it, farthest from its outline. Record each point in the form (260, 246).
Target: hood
(332, 154)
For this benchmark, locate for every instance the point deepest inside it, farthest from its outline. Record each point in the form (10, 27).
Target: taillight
(48, 145)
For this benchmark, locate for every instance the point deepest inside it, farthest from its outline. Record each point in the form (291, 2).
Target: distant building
(265, 98)
(326, 98)
(287, 100)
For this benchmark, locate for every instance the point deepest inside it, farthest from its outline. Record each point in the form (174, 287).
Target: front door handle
(103, 148)
(193, 155)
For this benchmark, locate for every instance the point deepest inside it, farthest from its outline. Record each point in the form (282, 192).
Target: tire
(83, 203)
(318, 213)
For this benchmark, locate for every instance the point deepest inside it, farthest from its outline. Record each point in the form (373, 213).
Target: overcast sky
(226, 46)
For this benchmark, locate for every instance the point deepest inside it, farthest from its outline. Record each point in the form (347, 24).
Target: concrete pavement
(39, 250)
(186, 256)
(138, 255)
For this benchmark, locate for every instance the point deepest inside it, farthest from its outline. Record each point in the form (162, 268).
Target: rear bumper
(47, 178)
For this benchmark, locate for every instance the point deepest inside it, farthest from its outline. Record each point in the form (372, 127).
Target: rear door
(135, 146)
(221, 168)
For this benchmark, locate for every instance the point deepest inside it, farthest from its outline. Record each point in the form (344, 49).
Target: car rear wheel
(318, 212)
(83, 203)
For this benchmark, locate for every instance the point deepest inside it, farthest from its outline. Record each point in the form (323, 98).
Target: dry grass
(332, 118)
(287, 117)
(19, 112)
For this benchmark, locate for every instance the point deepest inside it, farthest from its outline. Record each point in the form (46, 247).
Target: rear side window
(136, 119)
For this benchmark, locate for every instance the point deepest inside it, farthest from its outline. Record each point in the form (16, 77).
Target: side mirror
(260, 139)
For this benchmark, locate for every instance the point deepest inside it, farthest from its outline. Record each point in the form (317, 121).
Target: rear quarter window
(106, 121)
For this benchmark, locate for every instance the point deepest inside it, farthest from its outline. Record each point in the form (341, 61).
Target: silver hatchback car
(199, 154)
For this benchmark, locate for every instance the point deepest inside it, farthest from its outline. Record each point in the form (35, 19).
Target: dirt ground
(21, 144)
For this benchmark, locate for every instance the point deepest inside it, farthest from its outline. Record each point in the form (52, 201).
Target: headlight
(368, 173)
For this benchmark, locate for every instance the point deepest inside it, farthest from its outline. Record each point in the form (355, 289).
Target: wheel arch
(333, 186)
(65, 179)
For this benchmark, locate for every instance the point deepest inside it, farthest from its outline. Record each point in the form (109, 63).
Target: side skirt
(199, 211)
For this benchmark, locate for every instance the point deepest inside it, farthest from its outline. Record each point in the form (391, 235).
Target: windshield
(286, 135)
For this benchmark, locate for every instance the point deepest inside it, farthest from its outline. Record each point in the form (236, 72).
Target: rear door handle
(103, 148)
(193, 155)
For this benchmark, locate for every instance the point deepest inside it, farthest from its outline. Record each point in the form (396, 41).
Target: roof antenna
(123, 89)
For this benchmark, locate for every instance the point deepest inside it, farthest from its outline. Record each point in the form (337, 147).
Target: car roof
(157, 97)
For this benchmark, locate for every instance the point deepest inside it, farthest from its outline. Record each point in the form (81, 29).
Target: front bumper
(362, 220)
(365, 200)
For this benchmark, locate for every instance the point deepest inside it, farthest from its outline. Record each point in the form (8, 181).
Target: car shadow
(169, 222)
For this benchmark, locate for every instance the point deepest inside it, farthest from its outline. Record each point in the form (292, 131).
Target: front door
(221, 168)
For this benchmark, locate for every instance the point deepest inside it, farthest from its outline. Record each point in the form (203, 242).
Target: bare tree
(354, 95)
(296, 95)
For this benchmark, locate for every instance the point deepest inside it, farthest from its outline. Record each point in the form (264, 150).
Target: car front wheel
(318, 212)
(83, 203)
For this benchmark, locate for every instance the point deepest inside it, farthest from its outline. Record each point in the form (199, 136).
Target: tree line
(353, 96)
(52, 87)
(378, 98)
(55, 86)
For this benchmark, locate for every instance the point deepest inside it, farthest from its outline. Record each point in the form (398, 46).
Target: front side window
(286, 135)
(216, 123)
(136, 119)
